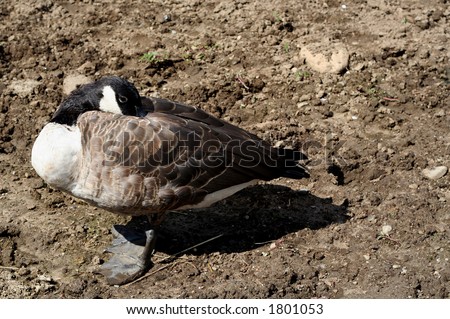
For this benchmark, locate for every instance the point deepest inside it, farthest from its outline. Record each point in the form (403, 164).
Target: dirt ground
(371, 115)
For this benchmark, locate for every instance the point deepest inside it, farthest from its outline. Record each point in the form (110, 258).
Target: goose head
(109, 94)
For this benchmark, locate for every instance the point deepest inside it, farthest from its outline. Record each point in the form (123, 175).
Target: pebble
(23, 271)
(326, 57)
(167, 18)
(45, 278)
(23, 88)
(386, 229)
(440, 113)
(279, 144)
(72, 81)
(435, 173)
(86, 68)
(37, 183)
(96, 260)
(384, 110)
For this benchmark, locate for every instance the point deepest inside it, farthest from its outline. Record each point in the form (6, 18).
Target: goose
(135, 155)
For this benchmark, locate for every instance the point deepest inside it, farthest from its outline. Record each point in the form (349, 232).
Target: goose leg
(132, 250)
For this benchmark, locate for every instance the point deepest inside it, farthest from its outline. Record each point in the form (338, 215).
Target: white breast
(55, 155)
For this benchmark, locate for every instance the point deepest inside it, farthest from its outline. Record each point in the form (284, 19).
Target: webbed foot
(132, 255)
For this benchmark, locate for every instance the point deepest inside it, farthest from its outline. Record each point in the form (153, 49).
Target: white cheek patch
(108, 103)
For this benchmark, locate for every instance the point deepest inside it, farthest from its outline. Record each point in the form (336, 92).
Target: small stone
(23, 271)
(279, 144)
(167, 18)
(305, 98)
(366, 257)
(45, 278)
(71, 82)
(435, 173)
(79, 229)
(326, 57)
(87, 68)
(384, 110)
(359, 67)
(37, 183)
(23, 88)
(440, 113)
(386, 229)
(96, 260)
(318, 256)
(321, 94)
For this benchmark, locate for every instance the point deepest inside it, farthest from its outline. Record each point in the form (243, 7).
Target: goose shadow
(254, 216)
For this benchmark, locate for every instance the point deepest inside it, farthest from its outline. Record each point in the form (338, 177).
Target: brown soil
(372, 225)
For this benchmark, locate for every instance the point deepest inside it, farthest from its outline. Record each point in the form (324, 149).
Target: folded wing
(173, 157)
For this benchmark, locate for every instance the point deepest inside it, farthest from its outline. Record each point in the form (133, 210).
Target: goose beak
(140, 112)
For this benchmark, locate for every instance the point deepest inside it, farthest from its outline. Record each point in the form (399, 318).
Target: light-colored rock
(435, 173)
(384, 110)
(86, 68)
(72, 81)
(326, 57)
(385, 230)
(23, 87)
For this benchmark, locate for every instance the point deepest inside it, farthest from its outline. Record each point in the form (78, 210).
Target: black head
(109, 94)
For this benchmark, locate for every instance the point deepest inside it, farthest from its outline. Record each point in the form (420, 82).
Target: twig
(238, 78)
(148, 275)
(195, 267)
(390, 99)
(265, 242)
(9, 268)
(169, 258)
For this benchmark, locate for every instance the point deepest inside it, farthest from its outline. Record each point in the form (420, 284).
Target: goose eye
(122, 99)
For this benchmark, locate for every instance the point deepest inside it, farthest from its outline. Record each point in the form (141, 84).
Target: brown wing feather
(283, 162)
(173, 157)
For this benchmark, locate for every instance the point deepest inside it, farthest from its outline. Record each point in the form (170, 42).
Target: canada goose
(144, 156)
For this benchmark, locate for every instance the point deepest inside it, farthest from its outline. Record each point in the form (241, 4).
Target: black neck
(70, 109)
